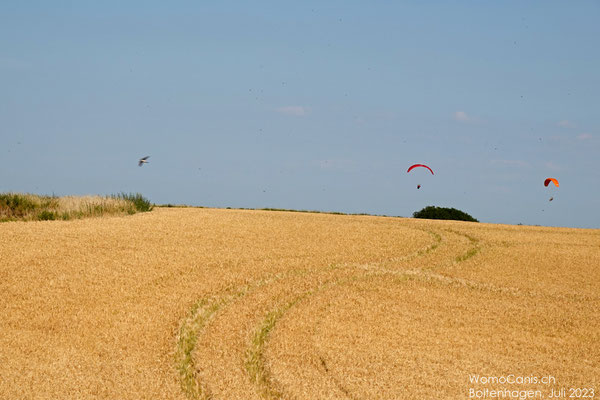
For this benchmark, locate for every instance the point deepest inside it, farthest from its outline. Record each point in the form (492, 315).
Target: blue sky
(308, 105)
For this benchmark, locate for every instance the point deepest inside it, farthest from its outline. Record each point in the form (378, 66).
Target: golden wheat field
(187, 303)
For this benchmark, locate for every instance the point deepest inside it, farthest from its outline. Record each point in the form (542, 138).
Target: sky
(317, 105)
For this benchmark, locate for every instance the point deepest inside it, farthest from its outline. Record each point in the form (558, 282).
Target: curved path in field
(230, 335)
(399, 327)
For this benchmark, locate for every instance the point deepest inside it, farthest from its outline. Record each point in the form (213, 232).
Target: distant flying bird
(143, 160)
(551, 198)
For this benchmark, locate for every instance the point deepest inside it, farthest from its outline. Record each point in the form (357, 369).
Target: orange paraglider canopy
(548, 180)
(420, 165)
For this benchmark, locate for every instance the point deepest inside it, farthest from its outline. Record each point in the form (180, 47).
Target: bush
(432, 212)
(140, 202)
(16, 204)
(46, 216)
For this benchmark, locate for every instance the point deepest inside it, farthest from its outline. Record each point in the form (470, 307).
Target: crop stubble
(202, 303)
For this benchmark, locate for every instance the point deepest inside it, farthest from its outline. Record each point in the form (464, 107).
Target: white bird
(143, 160)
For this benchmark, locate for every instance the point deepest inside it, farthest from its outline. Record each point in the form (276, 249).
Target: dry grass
(229, 304)
(32, 207)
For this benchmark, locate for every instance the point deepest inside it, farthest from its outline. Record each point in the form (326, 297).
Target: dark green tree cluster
(432, 212)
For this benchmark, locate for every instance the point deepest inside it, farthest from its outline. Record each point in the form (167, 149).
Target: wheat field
(187, 303)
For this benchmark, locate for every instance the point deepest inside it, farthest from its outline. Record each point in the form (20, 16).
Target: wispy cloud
(293, 110)
(462, 116)
(584, 136)
(565, 124)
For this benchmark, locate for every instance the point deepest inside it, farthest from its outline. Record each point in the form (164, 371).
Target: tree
(432, 212)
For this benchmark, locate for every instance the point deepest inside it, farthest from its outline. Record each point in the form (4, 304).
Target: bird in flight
(143, 160)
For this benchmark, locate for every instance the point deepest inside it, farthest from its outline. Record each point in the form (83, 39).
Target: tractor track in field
(200, 359)
(252, 313)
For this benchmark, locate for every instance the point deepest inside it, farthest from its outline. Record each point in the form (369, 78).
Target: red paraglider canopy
(420, 165)
(548, 180)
